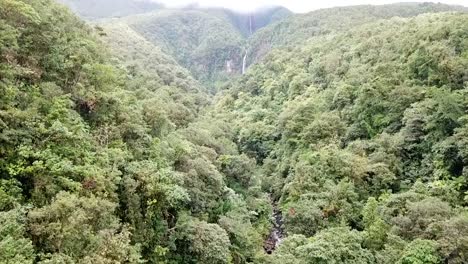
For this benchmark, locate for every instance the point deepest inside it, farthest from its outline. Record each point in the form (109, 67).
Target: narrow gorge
(277, 233)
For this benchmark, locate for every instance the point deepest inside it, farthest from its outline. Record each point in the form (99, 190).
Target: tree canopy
(129, 141)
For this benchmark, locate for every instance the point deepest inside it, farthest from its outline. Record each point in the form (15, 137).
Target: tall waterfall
(244, 62)
(250, 24)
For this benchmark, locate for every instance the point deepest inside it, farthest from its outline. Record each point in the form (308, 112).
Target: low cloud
(299, 6)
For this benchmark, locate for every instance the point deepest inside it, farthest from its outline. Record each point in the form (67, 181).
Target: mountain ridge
(239, 47)
(207, 41)
(300, 27)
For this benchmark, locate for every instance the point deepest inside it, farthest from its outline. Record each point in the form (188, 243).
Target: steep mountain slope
(249, 23)
(299, 28)
(103, 162)
(169, 85)
(352, 138)
(216, 44)
(92, 9)
(208, 42)
(361, 136)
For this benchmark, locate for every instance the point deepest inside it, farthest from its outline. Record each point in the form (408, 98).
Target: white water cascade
(250, 24)
(244, 62)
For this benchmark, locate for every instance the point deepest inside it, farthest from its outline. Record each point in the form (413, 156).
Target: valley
(131, 132)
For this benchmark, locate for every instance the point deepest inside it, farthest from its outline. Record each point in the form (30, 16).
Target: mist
(298, 6)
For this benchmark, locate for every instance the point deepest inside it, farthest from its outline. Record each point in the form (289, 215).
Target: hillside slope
(204, 43)
(105, 156)
(345, 143)
(177, 92)
(250, 22)
(209, 42)
(361, 136)
(297, 29)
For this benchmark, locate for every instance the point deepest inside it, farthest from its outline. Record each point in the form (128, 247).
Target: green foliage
(420, 251)
(243, 229)
(249, 23)
(295, 30)
(362, 129)
(207, 41)
(375, 227)
(121, 156)
(239, 170)
(336, 245)
(202, 42)
(10, 194)
(452, 237)
(15, 246)
(335, 204)
(80, 228)
(106, 157)
(206, 243)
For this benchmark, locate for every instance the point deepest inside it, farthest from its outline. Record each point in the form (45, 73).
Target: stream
(277, 234)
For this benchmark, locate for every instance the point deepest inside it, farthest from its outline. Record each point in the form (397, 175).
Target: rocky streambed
(277, 233)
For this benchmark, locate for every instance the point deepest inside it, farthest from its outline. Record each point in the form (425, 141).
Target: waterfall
(244, 62)
(250, 24)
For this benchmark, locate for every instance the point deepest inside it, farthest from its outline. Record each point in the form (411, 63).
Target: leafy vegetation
(295, 30)
(210, 42)
(206, 44)
(108, 160)
(111, 152)
(363, 130)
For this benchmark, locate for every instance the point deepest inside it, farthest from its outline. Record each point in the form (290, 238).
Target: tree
(204, 242)
(79, 229)
(334, 245)
(452, 237)
(15, 246)
(420, 252)
(376, 230)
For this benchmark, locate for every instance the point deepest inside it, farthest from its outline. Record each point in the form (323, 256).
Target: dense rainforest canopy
(175, 135)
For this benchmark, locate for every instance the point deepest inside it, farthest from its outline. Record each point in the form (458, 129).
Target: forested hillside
(344, 142)
(361, 136)
(210, 42)
(204, 43)
(105, 162)
(297, 29)
(217, 44)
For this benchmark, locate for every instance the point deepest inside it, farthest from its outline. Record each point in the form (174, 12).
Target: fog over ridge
(299, 6)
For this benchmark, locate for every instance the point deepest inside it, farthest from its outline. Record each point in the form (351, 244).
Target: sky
(298, 6)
